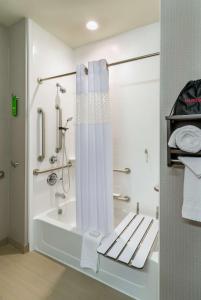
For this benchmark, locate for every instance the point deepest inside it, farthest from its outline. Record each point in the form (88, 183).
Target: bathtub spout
(60, 195)
(60, 211)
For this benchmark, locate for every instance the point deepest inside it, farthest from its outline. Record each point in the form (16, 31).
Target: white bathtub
(56, 236)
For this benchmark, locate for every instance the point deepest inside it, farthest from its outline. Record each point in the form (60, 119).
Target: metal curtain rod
(40, 80)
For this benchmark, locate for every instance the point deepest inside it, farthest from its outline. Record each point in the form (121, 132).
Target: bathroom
(57, 153)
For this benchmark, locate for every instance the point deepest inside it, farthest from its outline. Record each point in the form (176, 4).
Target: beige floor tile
(33, 276)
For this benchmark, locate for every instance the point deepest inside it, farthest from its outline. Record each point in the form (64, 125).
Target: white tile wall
(47, 56)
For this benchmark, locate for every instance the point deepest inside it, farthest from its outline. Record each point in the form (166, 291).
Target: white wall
(180, 249)
(134, 91)
(4, 132)
(47, 56)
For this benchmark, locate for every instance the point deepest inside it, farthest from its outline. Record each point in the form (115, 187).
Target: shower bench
(131, 241)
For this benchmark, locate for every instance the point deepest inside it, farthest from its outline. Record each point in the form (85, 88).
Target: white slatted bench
(131, 241)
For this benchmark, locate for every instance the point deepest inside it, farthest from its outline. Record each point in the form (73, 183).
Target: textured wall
(4, 133)
(18, 199)
(180, 266)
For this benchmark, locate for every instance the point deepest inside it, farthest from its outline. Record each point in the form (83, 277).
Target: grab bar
(41, 155)
(59, 132)
(120, 197)
(125, 170)
(37, 171)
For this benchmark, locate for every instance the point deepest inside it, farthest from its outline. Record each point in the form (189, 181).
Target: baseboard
(23, 249)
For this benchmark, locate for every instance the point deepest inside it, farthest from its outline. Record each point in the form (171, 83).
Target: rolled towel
(186, 138)
(89, 255)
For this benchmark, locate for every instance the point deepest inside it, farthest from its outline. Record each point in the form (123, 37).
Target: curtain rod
(40, 80)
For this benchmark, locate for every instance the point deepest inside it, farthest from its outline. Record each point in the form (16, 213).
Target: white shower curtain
(93, 149)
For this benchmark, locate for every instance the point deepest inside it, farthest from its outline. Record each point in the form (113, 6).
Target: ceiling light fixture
(92, 25)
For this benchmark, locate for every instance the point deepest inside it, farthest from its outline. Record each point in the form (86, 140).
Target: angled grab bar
(58, 131)
(41, 155)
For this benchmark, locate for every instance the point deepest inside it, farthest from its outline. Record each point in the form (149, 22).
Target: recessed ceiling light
(92, 25)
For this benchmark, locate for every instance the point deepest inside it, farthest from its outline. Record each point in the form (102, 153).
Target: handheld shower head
(66, 124)
(61, 88)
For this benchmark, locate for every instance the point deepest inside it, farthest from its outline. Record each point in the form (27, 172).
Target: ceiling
(66, 18)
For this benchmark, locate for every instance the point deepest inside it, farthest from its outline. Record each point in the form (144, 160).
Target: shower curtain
(94, 200)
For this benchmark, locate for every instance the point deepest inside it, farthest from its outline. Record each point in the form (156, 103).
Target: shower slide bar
(59, 132)
(37, 171)
(40, 80)
(41, 155)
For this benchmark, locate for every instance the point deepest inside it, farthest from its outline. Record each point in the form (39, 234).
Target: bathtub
(57, 236)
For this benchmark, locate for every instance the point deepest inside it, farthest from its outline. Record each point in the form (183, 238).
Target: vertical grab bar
(58, 131)
(41, 155)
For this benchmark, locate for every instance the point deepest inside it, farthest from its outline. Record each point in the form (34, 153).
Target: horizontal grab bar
(120, 197)
(37, 171)
(125, 170)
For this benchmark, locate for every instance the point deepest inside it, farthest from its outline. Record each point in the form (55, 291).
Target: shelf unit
(174, 122)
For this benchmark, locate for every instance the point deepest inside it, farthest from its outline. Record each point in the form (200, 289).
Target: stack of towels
(188, 139)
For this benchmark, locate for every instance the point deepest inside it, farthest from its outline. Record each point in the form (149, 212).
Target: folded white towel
(186, 138)
(89, 255)
(191, 208)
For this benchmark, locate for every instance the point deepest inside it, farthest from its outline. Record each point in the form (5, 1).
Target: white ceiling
(66, 18)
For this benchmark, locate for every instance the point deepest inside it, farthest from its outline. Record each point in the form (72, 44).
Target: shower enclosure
(134, 96)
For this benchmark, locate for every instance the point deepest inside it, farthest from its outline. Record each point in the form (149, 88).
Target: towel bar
(176, 163)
